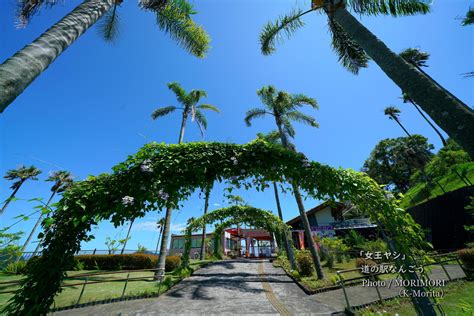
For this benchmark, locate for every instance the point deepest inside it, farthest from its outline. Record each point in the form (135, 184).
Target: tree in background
(393, 113)
(284, 108)
(19, 176)
(274, 138)
(441, 164)
(394, 160)
(16, 73)
(62, 180)
(354, 44)
(189, 107)
(159, 224)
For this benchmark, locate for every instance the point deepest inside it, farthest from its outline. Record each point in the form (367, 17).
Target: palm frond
(273, 137)
(26, 9)
(180, 93)
(267, 95)
(301, 99)
(109, 25)
(415, 56)
(469, 74)
(392, 112)
(389, 7)
(469, 19)
(209, 107)
(195, 95)
(302, 118)
(350, 54)
(175, 20)
(201, 121)
(162, 112)
(252, 114)
(287, 24)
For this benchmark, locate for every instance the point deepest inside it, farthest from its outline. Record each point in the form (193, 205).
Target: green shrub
(172, 262)
(467, 257)
(168, 282)
(377, 245)
(134, 261)
(336, 278)
(305, 263)
(296, 275)
(16, 267)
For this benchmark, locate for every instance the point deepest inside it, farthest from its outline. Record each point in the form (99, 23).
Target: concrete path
(223, 288)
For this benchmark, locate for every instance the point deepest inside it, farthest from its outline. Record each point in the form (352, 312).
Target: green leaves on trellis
(161, 175)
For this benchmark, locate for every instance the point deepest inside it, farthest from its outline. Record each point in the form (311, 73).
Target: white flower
(163, 195)
(146, 166)
(128, 200)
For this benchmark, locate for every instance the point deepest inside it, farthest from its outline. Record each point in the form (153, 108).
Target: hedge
(136, 261)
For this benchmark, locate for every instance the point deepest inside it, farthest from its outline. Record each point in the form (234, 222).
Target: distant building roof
(336, 206)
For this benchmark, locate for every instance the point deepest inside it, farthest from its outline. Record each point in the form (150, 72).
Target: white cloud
(217, 204)
(150, 226)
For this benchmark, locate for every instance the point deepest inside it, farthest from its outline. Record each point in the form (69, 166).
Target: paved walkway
(247, 287)
(228, 287)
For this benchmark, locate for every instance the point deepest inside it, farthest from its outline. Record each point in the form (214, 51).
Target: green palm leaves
(189, 102)
(350, 54)
(284, 107)
(62, 180)
(21, 174)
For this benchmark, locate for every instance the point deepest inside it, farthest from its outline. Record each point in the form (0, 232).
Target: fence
(90, 278)
(440, 259)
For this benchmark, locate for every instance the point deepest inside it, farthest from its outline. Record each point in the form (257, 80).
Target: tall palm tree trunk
(183, 126)
(159, 239)
(38, 222)
(203, 238)
(448, 113)
(443, 140)
(286, 235)
(401, 125)
(126, 238)
(299, 202)
(17, 72)
(10, 199)
(164, 244)
(441, 87)
(160, 272)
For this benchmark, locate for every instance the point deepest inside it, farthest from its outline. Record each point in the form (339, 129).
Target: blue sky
(92, 107)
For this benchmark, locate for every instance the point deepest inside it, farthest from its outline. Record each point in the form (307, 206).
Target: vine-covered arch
(160, 176)
(231, 216)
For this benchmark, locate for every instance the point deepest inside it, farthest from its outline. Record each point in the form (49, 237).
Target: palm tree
(188, 107)
(62, 180)
(159, 224)
(17, 72)
(407, 99)
(274, 138)
(355, 44)
(127, 237)
(207, 193)
(19, 175)
(393, 113)
(419, 59)
(284, 108)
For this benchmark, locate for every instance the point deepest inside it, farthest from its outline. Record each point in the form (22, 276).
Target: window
(178, 244)
(196, 243)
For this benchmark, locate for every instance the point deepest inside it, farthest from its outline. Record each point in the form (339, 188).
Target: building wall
(324, 217)
(177, 245)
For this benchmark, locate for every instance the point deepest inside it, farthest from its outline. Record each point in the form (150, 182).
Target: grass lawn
(103, 291)
(420, 193)
(458, 300)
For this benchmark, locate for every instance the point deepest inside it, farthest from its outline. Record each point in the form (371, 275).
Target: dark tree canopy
(394, 160)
